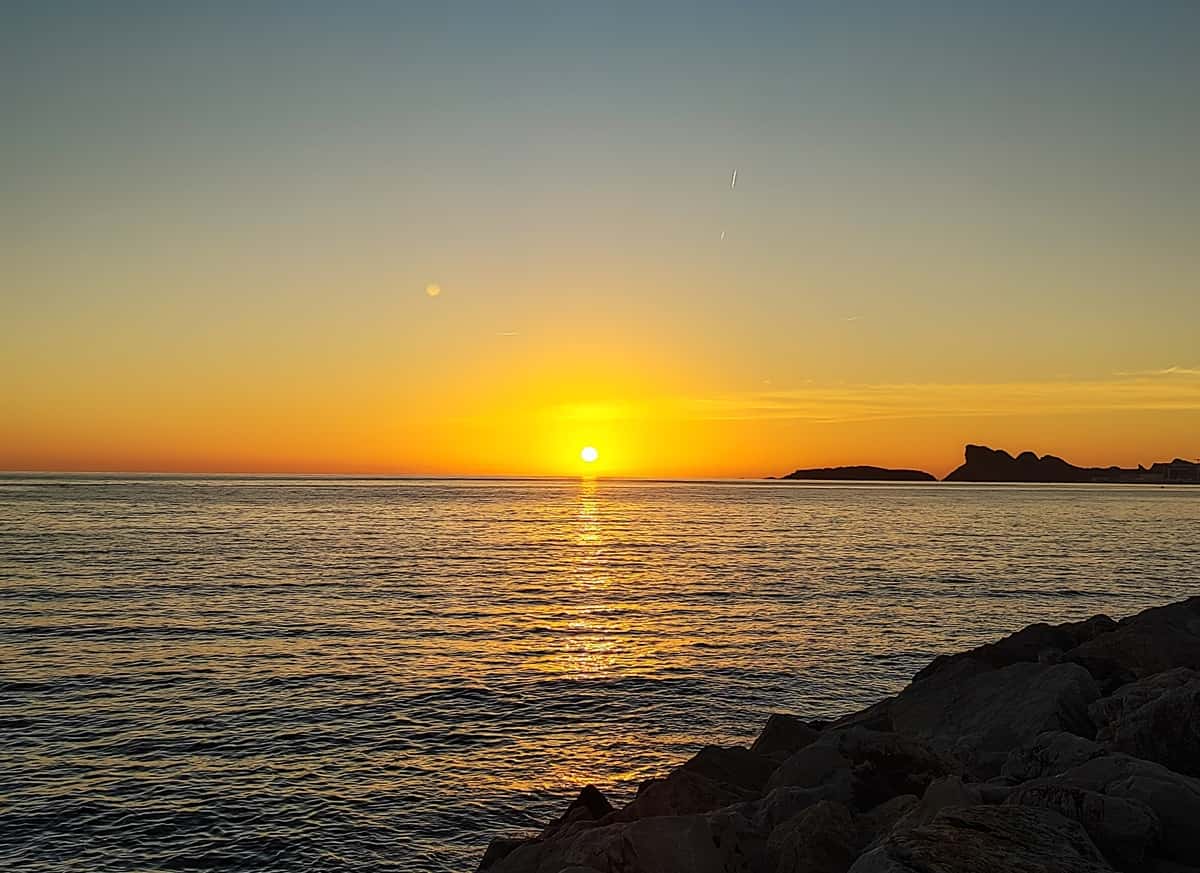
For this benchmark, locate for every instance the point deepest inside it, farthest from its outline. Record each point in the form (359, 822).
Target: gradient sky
(953, 222)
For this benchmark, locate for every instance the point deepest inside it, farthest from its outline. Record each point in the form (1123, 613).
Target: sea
(253, 674)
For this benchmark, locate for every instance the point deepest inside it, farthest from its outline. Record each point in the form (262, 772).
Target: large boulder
(978, 715)
(591, 805)
(1037, 642)
(764, 814)
(987, 839)
(499, 849)
(863, 768)
(784, 735)
(715, 777)
(732, 765)
(1048, 754)
(875, 824)
(949, 791)
(1156, 718)
(876, 717)
(670, 844)
(821, 839)
(1173, 797)
(1125, 830)
(1150, 642)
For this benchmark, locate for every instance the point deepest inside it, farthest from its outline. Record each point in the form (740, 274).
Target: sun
(589, 455)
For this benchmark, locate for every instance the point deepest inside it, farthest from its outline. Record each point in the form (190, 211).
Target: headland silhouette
(985, 464)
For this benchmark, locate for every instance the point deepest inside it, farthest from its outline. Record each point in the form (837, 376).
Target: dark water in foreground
(379, 675)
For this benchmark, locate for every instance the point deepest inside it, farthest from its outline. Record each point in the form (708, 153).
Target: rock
(784, 735)
(979, 715)
(1150, 642)
(876, 717)
(1029, 644)
(683, 845)
(1134, 695)
(1156, 718)
(590, 805)
(683, 792)
(1124, 829)
(714, 778)
(877, 823)
(1159, 865)
(500, 848)
(818, 765)
(670, 844)
(863, 768)
(768, 812)
(732, 765)
(1173, 797)
(987, 839)
(942, 793)
(992, 792)
(821, 839)
(1048, 754)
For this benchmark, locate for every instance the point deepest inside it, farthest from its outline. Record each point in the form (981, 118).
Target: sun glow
(589, 455)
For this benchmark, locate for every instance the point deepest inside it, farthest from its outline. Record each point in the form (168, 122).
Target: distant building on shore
(1178, 470)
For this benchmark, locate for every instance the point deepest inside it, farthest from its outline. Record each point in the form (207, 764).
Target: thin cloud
(1166, 371)
(848, 403)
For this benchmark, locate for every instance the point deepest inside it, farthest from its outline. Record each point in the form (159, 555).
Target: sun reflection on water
(590, 640)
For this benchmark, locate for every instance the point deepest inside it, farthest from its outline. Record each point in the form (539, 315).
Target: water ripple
(249, 674)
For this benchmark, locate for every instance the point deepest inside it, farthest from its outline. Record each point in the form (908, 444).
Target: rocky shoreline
(1072, 748)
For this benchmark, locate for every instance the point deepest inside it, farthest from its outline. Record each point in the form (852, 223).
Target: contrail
(733, 181)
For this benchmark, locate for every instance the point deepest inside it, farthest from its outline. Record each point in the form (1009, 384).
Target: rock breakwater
(1059, 749)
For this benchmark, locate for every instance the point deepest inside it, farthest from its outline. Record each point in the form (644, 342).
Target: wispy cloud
(1166, 371)
(844, 403)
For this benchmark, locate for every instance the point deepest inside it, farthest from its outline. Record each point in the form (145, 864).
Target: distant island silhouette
(862, 474)
(985, 464)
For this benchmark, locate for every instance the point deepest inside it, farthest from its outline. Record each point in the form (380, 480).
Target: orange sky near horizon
(221, 227)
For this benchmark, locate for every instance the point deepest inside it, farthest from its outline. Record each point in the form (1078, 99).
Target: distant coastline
(985, 464)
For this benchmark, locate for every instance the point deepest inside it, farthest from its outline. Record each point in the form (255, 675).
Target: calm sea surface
(321, 674)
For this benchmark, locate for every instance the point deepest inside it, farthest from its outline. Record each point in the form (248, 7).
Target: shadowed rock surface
(987, 840)
(1058, 749)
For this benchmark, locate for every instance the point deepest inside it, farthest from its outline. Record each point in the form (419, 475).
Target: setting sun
(589, 455)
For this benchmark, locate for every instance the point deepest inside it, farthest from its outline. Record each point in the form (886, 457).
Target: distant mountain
(862, 474)
(985, 464)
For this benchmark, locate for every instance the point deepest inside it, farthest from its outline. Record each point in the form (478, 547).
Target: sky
(952, 222)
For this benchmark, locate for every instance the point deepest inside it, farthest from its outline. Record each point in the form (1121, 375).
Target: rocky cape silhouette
(1072, 748)
(862, 474)
(983, 464)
